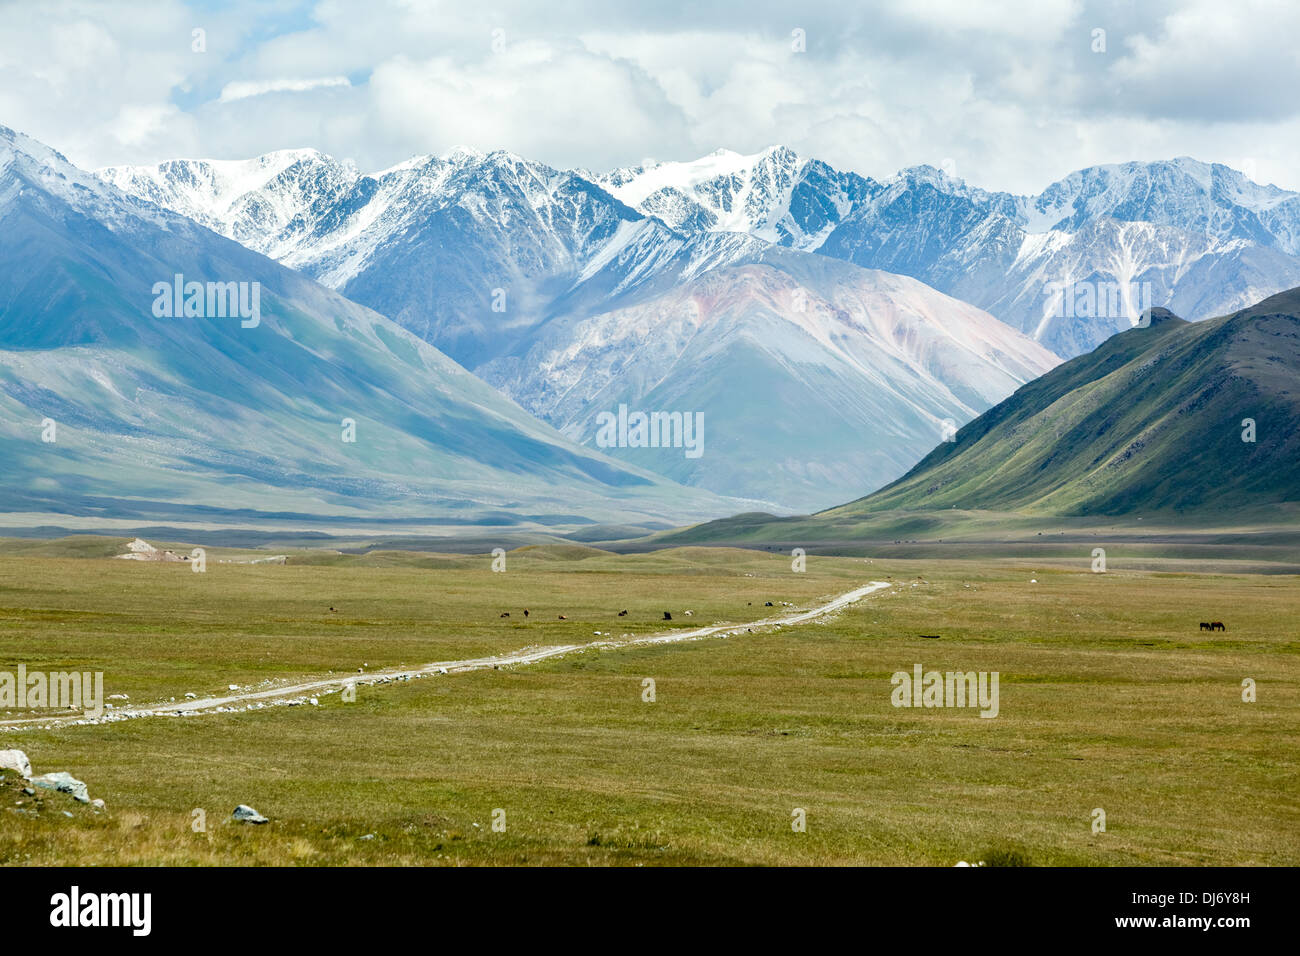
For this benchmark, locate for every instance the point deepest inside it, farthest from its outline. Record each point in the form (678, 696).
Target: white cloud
(241, 90)
(563, 105)
(1010, 89)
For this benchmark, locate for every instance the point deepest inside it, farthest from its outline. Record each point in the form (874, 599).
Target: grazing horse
(563, 618)
(1205, 626)
(622, 613)
(1218, 626)
(525, 612)
(505, 613)
(667, 616)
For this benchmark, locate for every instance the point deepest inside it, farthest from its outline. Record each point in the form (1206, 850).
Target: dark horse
(1218, 626)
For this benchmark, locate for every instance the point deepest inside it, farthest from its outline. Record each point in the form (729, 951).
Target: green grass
(159, 630)
(1110, 697)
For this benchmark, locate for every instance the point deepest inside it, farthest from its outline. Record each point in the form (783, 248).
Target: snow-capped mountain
(270, 204)
(774, 195)
(468, 250)
(433, 240)
(273, 400)
(811, 377)
(590, 290)
(1198, 238)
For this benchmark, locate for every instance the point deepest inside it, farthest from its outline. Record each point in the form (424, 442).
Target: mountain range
(824, 329)
(816, 379)
(304, 406)
(1195, 237)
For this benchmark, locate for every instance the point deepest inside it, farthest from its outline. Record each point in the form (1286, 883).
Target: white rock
(16, 760)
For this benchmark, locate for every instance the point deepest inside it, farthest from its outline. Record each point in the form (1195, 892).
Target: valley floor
(1111, 698)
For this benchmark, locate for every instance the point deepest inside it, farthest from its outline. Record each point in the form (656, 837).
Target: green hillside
(1150, 421)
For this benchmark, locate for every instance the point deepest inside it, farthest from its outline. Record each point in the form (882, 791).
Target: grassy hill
(1151, 421)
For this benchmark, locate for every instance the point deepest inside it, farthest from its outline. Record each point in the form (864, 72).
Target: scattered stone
(63, 782)
(16, 760)
(246, 814)
(141, 550)
(232, 687)
(97, 803)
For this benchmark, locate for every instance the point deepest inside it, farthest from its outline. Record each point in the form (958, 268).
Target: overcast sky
(1013, 94)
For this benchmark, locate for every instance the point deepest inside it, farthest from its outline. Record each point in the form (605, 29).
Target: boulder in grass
(246, 814)
(16, 760)
(63, 782)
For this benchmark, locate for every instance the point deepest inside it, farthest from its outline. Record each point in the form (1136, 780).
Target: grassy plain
(1110, 697)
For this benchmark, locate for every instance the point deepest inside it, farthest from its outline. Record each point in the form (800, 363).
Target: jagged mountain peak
(774, 194)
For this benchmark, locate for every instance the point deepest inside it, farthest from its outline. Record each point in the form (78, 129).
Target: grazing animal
(667, 616)
(1205, 625)
(1218, 626)
(505, 613)
(525, 612)
(930, 637)
(768, 604)
(622, 613)
(563, 618)
(333, 611)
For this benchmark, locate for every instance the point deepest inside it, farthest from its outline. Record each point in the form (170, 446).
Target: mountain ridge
(1198, 237)
(212, 417)
(496, 259)
(1177, 417)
